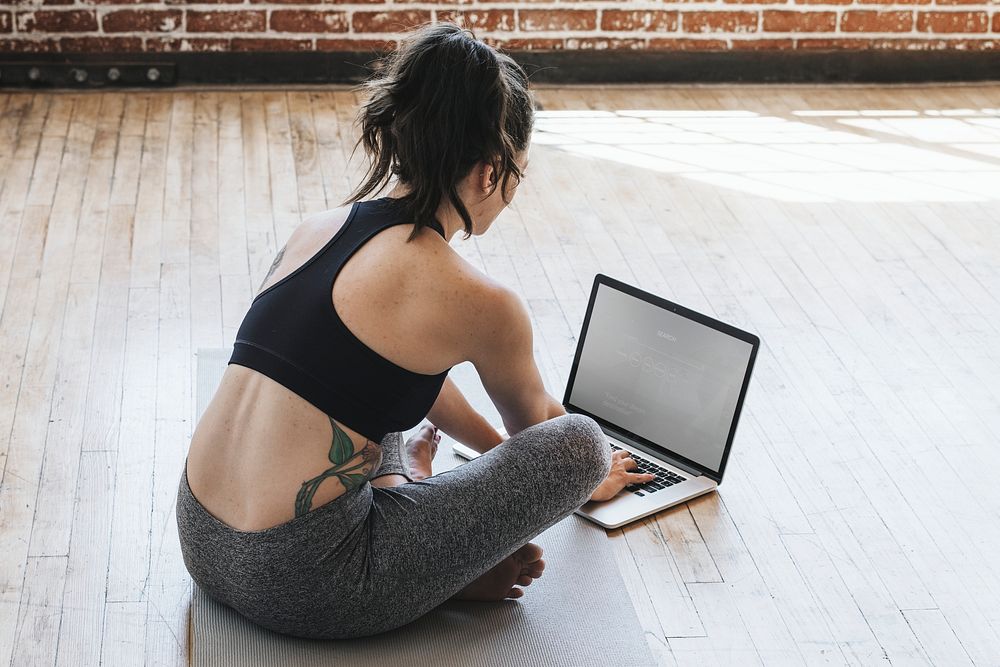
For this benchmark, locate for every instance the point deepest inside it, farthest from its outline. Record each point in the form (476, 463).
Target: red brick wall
(74, 26)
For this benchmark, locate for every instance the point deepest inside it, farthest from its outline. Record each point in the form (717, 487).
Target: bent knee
(582, 442)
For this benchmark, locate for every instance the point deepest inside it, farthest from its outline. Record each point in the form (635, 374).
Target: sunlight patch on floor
(859, 155)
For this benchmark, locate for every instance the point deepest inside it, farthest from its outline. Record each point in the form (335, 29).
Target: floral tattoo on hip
(341, 454)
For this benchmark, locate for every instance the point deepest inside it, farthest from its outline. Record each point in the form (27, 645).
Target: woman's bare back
(260, 452)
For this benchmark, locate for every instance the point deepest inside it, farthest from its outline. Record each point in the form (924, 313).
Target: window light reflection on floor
(867, 155)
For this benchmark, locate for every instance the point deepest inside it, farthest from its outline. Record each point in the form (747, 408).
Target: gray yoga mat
(577, 614)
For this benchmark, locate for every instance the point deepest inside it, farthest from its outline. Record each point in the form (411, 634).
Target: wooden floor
(855, 229)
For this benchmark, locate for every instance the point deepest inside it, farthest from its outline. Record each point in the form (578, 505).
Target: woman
(299, 506)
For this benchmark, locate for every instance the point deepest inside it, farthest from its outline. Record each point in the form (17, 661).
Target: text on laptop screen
(660, 375)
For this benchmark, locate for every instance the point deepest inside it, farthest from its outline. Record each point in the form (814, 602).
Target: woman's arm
(453, 415)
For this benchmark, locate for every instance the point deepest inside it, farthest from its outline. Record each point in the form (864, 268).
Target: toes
(534, 569)
(529, 553)
(524, 580)
(515, 593)
(426, 434)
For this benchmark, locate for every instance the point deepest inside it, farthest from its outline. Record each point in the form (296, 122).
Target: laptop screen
(660, 375)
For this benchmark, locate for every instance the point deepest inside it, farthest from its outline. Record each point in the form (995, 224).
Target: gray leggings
(377, 558)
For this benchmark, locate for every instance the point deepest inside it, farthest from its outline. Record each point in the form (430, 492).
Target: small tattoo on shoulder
(274, 265)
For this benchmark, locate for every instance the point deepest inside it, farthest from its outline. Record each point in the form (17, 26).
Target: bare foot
(420, 450)
(521, 567)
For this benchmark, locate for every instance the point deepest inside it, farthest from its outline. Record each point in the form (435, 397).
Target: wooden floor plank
(233, 259)
(128, 565)
(285, 188)
(81, 628)
(147, 228)
(124, 636)
(177, 184)
(40, 611)
(14, 175)
(61, 343)
(262, 244)
(18, 495)
(206, 237)
(24, 231)
(303, 144)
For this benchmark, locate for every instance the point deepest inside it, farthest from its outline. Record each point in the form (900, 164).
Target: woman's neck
(446, 213)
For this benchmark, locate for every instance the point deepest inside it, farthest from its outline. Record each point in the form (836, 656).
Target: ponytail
(441, 103)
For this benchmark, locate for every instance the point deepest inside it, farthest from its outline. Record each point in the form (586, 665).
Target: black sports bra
(293, 335)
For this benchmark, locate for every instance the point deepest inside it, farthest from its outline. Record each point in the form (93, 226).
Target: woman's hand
(620, 477)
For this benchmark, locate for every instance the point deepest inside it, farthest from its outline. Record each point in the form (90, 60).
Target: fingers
(624, 457)
(639, 476)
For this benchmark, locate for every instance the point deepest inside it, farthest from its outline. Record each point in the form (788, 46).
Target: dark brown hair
(438, 104)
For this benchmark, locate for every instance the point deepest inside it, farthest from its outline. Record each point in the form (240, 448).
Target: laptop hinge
(652, 452)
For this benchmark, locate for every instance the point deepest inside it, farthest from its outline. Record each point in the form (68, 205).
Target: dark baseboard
(553, 67)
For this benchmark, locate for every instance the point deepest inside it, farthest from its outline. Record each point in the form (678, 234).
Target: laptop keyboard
(663, 479)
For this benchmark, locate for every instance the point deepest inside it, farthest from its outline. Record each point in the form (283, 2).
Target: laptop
(665, 383)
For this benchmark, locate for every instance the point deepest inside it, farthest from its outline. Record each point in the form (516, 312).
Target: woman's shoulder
(329, 220)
